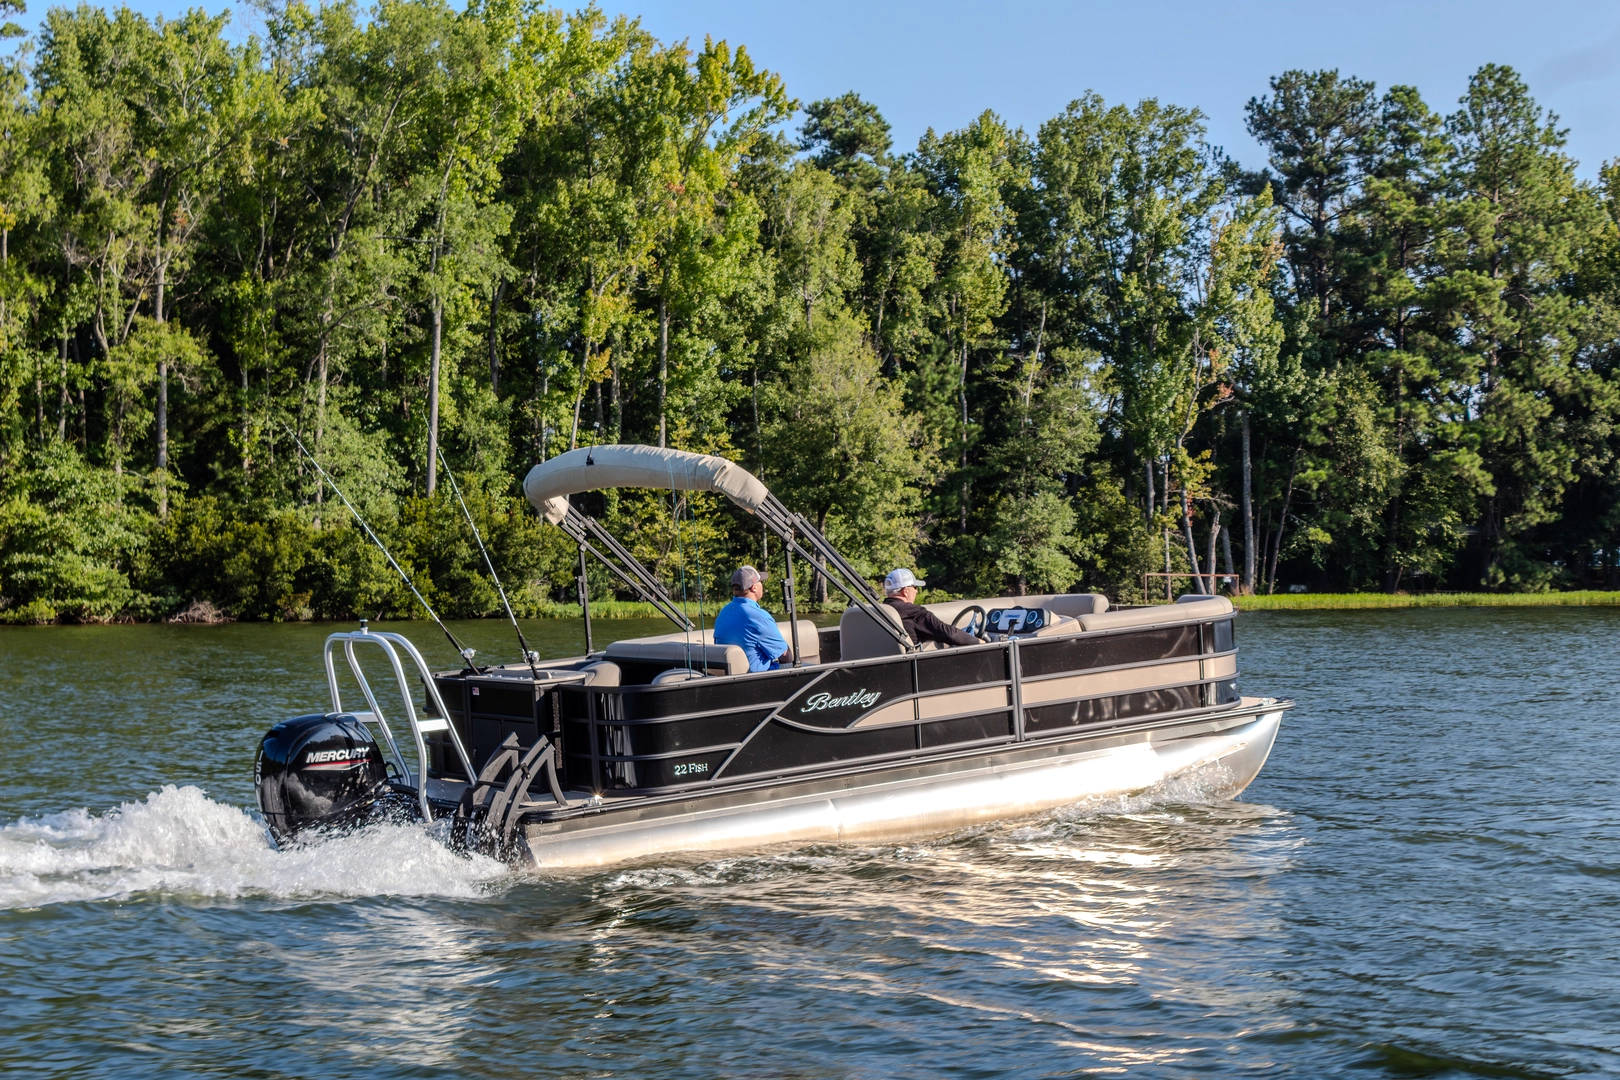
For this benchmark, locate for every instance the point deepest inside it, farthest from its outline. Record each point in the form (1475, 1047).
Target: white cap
(901, 579)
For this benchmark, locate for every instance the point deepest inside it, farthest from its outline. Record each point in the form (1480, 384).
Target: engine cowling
(318, 770)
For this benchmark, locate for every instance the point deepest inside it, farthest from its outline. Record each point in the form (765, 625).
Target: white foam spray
(180, 841)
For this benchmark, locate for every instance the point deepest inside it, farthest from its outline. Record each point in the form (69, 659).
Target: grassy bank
(1345, 601)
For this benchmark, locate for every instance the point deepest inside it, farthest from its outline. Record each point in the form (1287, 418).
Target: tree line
(1091, 355)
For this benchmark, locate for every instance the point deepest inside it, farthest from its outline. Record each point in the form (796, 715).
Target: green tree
(1519, 221)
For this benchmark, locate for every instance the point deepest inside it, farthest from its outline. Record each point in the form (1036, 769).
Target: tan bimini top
(618, 465)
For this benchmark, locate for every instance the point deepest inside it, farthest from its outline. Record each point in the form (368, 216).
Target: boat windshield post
(585, 601)
(790, 597)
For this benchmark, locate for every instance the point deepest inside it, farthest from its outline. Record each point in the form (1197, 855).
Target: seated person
(750, 627)
(900, 593)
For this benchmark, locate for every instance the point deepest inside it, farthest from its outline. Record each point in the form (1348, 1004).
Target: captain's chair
(861, 637)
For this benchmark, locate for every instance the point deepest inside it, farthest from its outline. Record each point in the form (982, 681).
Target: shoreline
(1371, 601)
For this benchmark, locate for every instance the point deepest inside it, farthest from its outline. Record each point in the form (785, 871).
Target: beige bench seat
(698, 650)
(1190, 608)
(863, 637)
(1072, 605)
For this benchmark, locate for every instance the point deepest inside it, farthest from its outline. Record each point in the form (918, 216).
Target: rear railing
(420, 726)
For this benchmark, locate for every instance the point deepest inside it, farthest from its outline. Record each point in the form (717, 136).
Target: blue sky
(941, 63)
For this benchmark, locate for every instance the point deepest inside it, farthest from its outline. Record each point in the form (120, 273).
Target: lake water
(1424, 882)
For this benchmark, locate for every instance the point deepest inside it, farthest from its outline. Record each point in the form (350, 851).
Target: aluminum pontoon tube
(919, 806)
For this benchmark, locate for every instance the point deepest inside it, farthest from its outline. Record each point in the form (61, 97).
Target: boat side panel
(1042, 720)
(710, 731)
(966, 729)
(943, 670)
(1072, 654)
(845, 694)
(485, 712)
(620, 774)
(780, 747)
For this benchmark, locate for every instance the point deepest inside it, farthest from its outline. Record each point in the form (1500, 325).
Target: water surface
(1423, 882)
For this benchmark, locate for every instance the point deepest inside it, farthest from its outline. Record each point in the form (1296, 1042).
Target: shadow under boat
(668, 743)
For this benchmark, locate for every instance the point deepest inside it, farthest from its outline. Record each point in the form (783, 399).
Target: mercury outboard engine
(319, 770)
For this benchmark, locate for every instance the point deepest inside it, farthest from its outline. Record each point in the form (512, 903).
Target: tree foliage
(1073, 357)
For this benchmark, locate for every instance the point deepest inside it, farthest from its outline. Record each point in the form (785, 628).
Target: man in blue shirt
(745, 624)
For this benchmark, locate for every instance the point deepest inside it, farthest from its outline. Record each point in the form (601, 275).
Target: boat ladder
(420, 726)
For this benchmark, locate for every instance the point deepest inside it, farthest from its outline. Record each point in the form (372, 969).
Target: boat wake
(180, 841)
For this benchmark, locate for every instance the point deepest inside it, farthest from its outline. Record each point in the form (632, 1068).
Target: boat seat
(1063, 624)
(1187, 609)
(809, 640)
(675, 675)
(861, 637)
(729, 658)
(601, 673)
(1071, 604)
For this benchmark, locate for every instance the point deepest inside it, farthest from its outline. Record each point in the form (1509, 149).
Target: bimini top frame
(594, 468)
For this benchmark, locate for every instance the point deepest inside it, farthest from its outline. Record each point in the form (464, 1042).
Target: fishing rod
(466, 653)
(528, 654)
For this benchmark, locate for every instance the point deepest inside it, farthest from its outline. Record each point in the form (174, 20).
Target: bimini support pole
(617, 559)
(835, 568)
(614, 466)
(585, 601)
(790, 595)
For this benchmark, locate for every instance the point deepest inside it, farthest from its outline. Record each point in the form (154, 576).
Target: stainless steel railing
(420, 726)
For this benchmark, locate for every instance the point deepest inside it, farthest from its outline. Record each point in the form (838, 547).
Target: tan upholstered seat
(676, 675)
(729, 658)
(809, 640)
(601, 673)
(1060, 624)
(809, 646)
(1070, 604)
(1187, 609)
(860, 637)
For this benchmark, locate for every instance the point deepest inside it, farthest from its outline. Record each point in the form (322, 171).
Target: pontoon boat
(669, 743)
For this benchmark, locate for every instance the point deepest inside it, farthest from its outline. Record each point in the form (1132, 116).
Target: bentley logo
(862, 697)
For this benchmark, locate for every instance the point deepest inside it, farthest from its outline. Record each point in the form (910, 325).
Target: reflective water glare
(1423, 882)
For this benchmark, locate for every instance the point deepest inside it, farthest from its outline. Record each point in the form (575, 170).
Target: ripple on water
(1423, 882)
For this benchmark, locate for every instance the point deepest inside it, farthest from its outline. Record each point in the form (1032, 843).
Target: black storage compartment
(485, 711)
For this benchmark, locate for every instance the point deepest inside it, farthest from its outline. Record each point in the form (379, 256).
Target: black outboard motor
(319, 770)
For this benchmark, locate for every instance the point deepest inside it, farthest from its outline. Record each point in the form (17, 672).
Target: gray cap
(744, 579)
(901, 579)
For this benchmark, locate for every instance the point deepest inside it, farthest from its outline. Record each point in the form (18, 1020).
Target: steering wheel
(975, 626)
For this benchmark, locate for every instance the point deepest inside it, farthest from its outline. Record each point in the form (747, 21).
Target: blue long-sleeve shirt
(745, 624)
